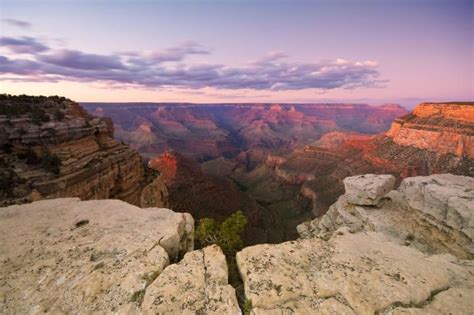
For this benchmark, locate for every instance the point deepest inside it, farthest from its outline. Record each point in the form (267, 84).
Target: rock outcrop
(196, 285)
(68, 256)
(367, 189)
(406, 256)
(51, 148)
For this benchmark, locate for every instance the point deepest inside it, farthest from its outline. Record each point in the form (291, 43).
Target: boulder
(368, 189)
(71, 256)
(196, 285)
(446, 199)
(433, 214)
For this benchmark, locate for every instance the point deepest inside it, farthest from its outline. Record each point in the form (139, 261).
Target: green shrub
(226, 234)
(247, 307)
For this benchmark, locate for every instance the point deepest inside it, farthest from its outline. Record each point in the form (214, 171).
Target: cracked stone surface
(434, 214)
(412, 254)
(367, 189)
(196, 285)
(66, 256)
(362, 273)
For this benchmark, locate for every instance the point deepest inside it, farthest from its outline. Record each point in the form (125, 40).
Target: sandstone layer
(66, 256)
(358, 259)
(51, 148)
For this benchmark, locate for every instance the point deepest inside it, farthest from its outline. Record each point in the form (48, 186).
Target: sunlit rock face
(54, 148)
(96, 256)
(407, 255)
(435, 138)
(441, 128)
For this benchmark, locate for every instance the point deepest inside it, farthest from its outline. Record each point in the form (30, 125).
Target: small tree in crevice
(227, 235)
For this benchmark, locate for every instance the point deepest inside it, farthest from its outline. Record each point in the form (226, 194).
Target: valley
(226, 156)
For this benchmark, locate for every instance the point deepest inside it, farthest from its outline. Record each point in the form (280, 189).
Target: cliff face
(441, 128)
(52, 148)
(435, 138)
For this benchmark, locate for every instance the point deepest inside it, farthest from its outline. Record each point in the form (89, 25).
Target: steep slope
(204, 196)
(435, 138)
(51, 147)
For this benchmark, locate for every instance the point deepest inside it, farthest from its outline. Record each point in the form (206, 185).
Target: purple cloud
(17, 23)
(78, 60)
(23, 45)
(162, 69)
(172, 54)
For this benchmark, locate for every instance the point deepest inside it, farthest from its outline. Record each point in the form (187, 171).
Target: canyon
(289, 160)
(207, 131)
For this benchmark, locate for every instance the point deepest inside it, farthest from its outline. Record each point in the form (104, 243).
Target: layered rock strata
(51, 148)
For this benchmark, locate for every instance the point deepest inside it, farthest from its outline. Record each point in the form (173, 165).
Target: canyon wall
(51, 147)
(207, 131)
(435, 138)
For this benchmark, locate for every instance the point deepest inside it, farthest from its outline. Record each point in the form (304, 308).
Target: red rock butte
(446, 128)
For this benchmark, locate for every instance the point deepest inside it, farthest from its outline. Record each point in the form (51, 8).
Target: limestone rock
(447, 199)
(71, 256)
(361, 273)
(368, 189)
(196, 285)
(430, 213)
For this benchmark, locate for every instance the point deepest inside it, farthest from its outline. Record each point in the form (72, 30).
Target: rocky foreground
(376, 251)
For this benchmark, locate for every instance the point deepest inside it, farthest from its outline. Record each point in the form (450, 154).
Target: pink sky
(230, 51)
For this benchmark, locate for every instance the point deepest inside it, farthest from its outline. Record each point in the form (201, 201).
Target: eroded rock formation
(205, 131)
(405, 256)
(435, 138)
(51, 148)
(196, 285)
